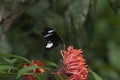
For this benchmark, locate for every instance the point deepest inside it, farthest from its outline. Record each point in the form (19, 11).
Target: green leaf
(41, 77)
(26, 70)
(10, 55)
(47, 69)
(5, 67)
(50, 63)
(11, 61)
(96, 77)
(75, 18)
(115, 5)
(78, 10)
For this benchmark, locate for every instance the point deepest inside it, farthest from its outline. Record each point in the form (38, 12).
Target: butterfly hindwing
(50, 46)
(52, 38)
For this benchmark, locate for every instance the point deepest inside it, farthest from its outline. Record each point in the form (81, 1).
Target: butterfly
(52, 39)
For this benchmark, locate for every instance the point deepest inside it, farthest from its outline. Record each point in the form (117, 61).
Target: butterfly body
(52, 38)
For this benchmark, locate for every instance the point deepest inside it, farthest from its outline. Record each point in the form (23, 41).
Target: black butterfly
(52, 38)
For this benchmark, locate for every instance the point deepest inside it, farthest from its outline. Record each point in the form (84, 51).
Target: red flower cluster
(74, 64)
(34, 63)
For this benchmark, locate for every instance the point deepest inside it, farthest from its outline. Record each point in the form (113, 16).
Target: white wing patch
(50, 31)
(47, 35)
(49, 45)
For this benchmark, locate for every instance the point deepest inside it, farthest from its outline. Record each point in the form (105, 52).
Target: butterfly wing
(52, 38)
(50, 46)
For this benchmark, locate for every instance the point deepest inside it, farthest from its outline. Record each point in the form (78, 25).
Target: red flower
(34, 63)
(74, 64)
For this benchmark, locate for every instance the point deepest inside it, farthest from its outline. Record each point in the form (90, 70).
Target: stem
(60, 76)
(59, 73)
(8, 73)
(8, 70)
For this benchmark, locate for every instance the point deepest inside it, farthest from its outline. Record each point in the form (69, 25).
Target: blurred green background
(90, 25)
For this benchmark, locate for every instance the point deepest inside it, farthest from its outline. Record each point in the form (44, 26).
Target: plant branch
(8, 21)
